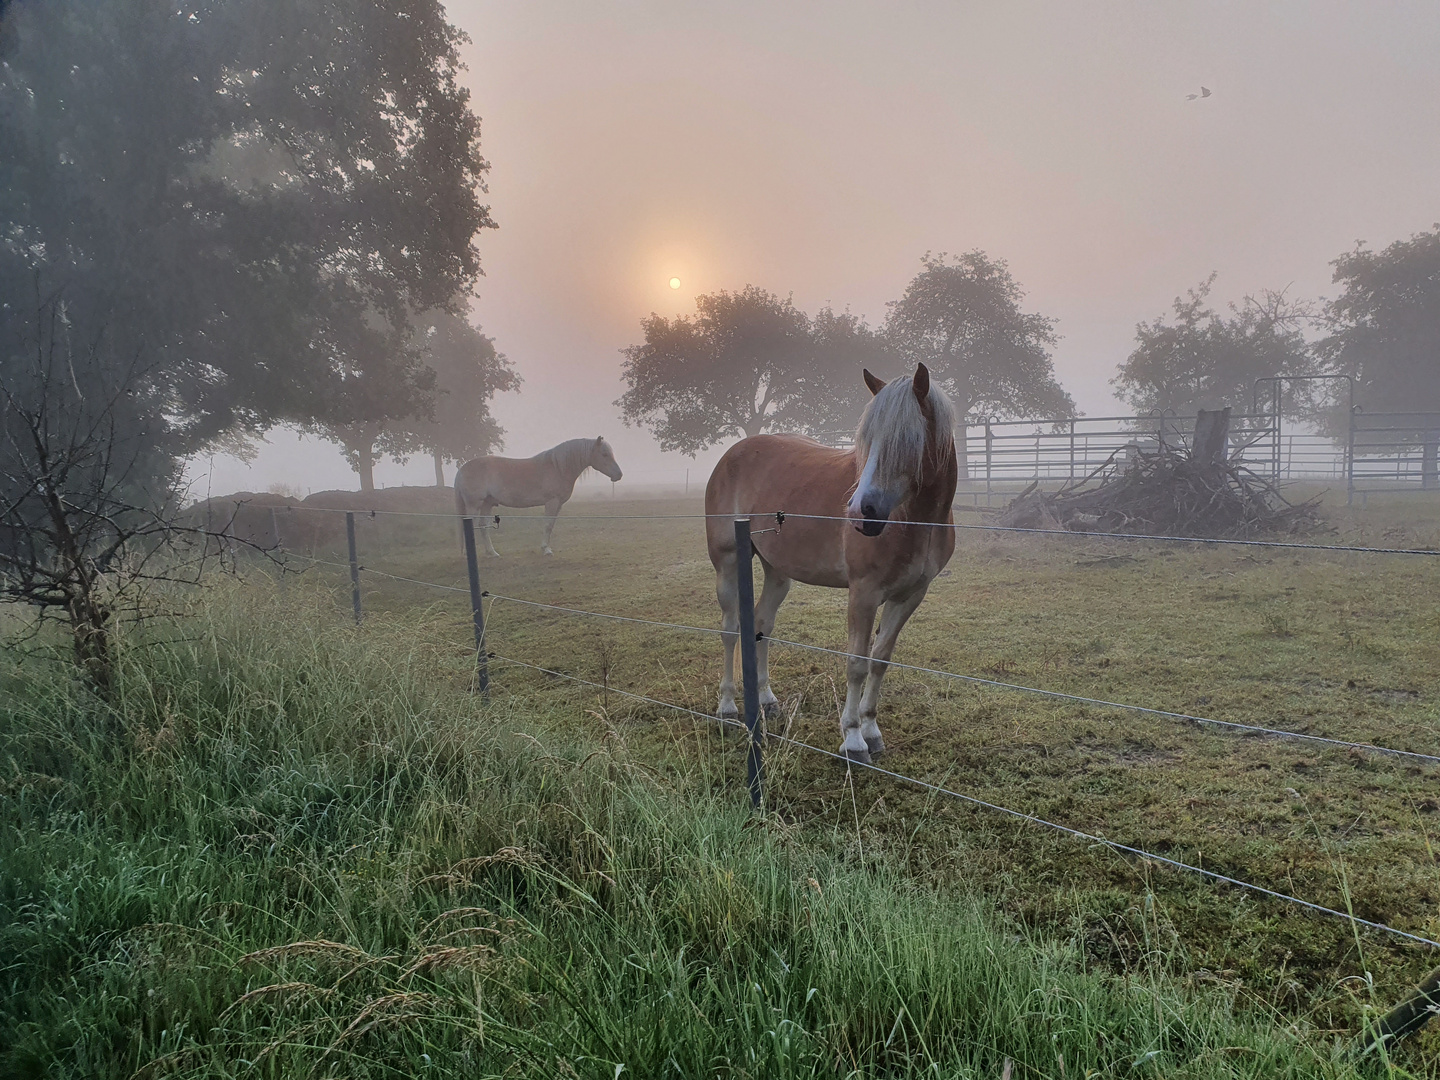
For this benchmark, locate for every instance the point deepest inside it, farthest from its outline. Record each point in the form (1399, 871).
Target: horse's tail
(460, 507)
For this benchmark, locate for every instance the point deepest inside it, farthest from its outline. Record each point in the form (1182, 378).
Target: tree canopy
(962, 318)
(251, 197)
(1200, 359)
(1385, 325)
(741, 365)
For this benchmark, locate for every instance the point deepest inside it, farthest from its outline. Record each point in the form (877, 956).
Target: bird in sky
(1204, 93)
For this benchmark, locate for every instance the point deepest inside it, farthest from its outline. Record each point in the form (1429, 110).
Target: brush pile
(1165, 491)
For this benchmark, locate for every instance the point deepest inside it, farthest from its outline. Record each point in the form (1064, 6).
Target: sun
(674, 283)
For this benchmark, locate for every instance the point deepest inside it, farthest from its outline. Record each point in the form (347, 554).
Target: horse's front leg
(552, 510)
(862, 624)
(893, 618)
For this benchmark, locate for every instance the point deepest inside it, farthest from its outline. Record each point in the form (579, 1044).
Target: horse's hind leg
(552, 510)
(730, 627)
(771, 597)
(893, 617)
(486, 526)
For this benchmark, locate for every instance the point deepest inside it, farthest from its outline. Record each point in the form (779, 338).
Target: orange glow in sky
(819, 150)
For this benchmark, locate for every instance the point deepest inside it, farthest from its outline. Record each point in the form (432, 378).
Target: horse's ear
(921, 383)
(599, 439)
(875, 385)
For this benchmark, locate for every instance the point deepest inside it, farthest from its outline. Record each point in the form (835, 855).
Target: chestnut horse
(883, 500)
(546, 479)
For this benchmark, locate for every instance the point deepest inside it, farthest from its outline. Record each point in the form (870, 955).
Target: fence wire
(938, 789)
(926, 785)
(1233, 725)
(780, 516)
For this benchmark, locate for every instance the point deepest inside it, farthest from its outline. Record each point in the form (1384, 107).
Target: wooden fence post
(354, 564)
(477, 608)
(745, 590)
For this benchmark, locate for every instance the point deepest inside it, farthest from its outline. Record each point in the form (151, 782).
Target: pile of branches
(1164, 492)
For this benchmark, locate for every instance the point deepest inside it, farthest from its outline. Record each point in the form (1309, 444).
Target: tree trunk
(439, 469)
(90, 632)
(365, 465)
(962, 450)
(1212, 431)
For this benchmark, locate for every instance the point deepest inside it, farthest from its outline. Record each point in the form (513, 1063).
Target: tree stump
(1212, 436)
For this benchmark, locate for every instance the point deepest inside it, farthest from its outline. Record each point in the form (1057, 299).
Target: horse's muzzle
(869, 520)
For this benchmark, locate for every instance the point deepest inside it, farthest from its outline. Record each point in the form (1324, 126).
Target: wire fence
(754, 722)
(781, 516)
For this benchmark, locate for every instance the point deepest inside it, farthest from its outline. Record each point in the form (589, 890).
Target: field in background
(1334, 644)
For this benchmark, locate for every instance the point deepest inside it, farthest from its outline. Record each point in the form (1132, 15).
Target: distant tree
(1201, 359)
(448, 371)
(741, 365)
(962, 318)
(468, 372)
(1385, 326)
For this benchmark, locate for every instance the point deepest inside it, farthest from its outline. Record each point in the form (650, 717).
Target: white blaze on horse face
(868, 507)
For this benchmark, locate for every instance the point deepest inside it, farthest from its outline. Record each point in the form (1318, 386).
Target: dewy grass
(290, 848)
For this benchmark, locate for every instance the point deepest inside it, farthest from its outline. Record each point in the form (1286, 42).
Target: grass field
(295, 848)
(1341, 645)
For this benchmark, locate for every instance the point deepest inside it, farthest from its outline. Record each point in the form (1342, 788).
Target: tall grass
(290, 848)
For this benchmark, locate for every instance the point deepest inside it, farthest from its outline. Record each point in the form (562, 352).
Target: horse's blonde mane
(895, 427)
(571, 457)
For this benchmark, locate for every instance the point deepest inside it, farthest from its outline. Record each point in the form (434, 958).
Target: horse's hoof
(876, 746)
(772, 710)
(546, 551)
(728, 716)
(859, 757)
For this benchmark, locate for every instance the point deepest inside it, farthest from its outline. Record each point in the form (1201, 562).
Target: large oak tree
(1385, 325)
(1202, 359)
(253, 195)
(741, 365)
(215, 215)
(962, 317)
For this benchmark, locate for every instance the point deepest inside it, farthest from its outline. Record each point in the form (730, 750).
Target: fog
(821, 149)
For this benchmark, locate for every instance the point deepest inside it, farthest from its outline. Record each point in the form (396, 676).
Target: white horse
(546, 479)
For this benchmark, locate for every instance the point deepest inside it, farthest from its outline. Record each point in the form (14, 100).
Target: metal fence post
(745, 596)
(1278, 405)
(1350, 454)
(477, 608)
(989, 456)
(354, 564)
(1072, 449)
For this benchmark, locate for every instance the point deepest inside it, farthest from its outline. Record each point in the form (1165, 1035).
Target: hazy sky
(821, 149)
